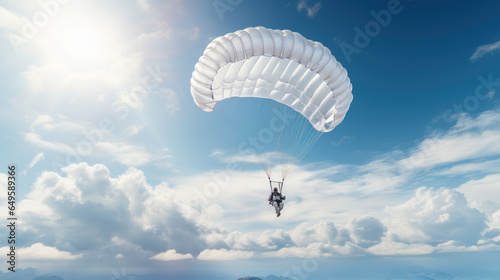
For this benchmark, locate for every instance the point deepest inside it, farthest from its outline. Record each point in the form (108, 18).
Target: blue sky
(115, 180)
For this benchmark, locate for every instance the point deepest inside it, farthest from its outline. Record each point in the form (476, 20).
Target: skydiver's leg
(276, 207)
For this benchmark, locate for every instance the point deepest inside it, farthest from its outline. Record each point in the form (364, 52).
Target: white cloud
(9, 20)
(367, 231)
(41, 252)
(324, 232)
(432, 217)
(454, 148)
(129, 155)
(46, 132)
(391, 248)
(171, 255)
(173, 215)
(34, 161)
(272, 240)
(488, 166)
(495, 220)
(144, 4)
(453, 246)
(53, 80)
(469, 138)
(485, 49)
(132, 130)
(86, 209)
(313, 250)
(90, 210)
(265, 158)
(436, 216)
(45, 121)
(194, 33)
(48, 124)
(482, 191)
(35, 139)
(217, 152)
(133, 97)
(92, 140)
(342, 140)
(311, 10)
(223, 255)
(3, 194)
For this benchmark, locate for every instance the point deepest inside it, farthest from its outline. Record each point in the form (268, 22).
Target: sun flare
(82, 40)
(82, 44)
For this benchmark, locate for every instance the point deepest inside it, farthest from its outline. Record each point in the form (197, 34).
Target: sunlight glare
(81, 44)
(80, 41)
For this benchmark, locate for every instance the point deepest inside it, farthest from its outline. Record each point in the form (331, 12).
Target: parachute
(297, 75)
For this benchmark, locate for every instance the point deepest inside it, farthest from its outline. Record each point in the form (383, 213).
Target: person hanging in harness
(276, 200)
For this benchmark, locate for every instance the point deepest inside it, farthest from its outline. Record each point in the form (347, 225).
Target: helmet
(275, 189)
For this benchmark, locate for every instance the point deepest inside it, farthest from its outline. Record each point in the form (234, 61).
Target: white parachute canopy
(278, 65)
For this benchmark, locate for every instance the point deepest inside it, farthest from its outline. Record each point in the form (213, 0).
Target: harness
(280, 185)
(280, 188)
(274, 196)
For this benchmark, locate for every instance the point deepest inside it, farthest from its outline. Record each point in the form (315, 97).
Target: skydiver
(276, 200)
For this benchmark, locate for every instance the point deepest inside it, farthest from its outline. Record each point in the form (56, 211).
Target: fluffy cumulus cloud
(39, 251)
(324, 232)
(85, 210)
(305, 240)
(436, 216)
(89, 212)
(367, 231)
(484, 193)
(495, 220)
(171, 255)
